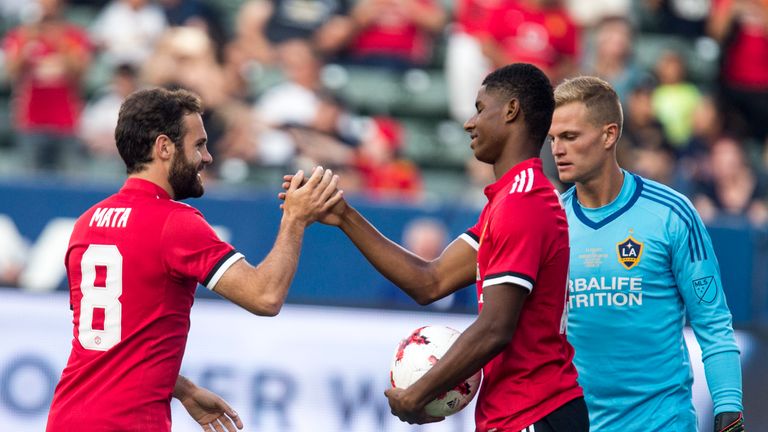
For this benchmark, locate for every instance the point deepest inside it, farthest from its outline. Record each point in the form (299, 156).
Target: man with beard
(134, 261)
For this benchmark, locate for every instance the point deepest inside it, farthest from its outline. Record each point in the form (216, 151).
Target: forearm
(719, 23)
(723, 371)
(273, 276)
(14, 66)
(183, 387)
(406, 270)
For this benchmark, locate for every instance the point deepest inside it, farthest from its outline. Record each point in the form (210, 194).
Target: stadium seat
(415, 93)
(436, 144)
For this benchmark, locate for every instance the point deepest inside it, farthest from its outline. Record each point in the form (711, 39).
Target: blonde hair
(596, 94)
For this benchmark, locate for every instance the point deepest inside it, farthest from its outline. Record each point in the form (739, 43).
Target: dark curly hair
(529, 85)
(147, 114)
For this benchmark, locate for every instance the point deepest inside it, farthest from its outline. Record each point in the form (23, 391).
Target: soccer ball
(417, 353)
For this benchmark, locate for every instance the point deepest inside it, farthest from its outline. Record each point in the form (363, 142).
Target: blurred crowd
(692, 76)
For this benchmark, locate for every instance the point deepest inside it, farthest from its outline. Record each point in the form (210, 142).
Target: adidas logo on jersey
(523, 181)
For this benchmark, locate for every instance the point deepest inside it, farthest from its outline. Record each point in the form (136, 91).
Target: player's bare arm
(262, 289)
(208, 409)
(425, 281)
(477, 345)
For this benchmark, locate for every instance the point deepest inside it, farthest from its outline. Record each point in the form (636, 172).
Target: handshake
(316, 198)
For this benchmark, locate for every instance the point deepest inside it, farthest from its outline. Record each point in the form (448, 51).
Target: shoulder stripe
(523, 280)
(523, 181)
(220, 268)
(530, 180)
(513, 189)
(674, 198)
(471, 239)
(686, 209)
(685, 221)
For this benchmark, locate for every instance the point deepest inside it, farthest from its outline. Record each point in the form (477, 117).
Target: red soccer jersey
(542, 37)
(522, 238)
(133, 263)
(392, 33)
(46, 97)
(745, 60)
(474, 16)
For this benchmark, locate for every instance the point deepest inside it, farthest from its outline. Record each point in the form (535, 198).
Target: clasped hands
(316, 198)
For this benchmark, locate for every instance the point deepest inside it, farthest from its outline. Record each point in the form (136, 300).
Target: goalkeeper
(641, 261)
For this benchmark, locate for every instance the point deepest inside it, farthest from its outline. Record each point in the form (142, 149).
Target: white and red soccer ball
(417, 353)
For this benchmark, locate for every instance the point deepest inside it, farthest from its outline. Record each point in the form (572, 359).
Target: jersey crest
(629, 251)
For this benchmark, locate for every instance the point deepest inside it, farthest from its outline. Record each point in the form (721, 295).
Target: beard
(184, 179)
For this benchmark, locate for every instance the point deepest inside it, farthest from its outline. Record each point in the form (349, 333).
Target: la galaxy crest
(629, 251)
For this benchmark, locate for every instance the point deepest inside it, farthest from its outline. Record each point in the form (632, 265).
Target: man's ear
(611, 135)
(512, 111)
(164, 148)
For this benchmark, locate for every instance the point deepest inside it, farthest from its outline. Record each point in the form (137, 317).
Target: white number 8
(104, 297)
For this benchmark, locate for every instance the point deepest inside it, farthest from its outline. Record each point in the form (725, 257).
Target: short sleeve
(192, 250)
(472, 235)
(516, 235)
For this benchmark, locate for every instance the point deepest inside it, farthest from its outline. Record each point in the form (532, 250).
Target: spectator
(46, 60)
(707, 126)
(196, 13)
(127, 30)
(675, 98)
(185, 57)
(659, 164)
(384, 173)
(251, 42)
(395, 34)
(734, 188)
(612, 59)
(465, 64)
(321, 142)
(539, 32)
(324, 23)
(741, 27)
(97, 128)
(641, 126)
(299, 104)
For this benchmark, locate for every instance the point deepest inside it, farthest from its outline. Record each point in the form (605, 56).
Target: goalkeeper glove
(729, 422)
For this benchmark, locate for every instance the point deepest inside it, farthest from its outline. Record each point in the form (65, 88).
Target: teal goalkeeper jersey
(638, 267)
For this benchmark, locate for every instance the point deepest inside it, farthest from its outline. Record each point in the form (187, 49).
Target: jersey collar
(509, 177)
(630, 192)
(134, 184)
